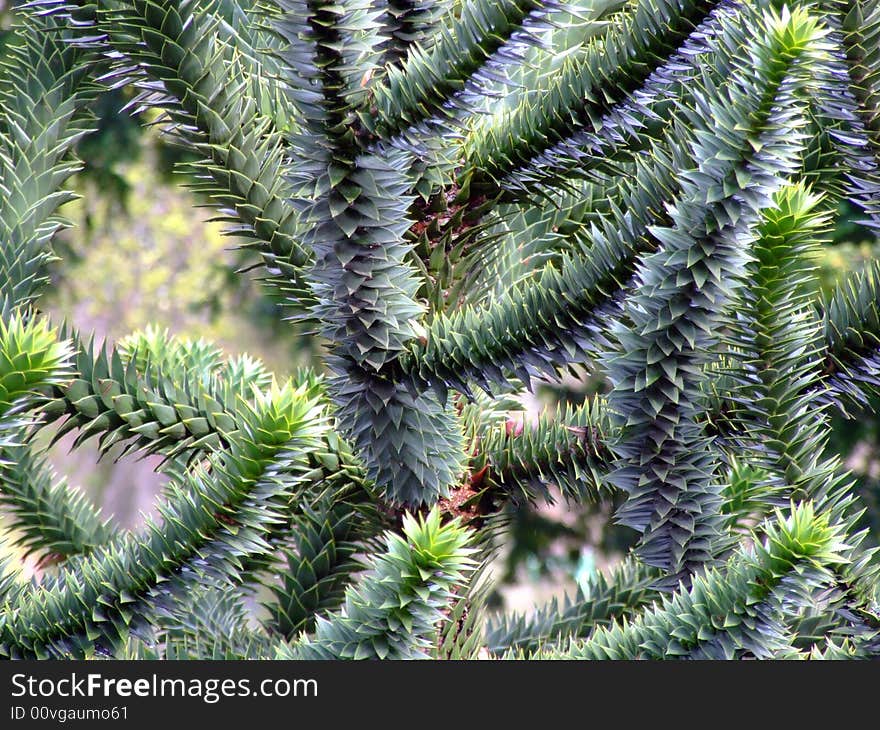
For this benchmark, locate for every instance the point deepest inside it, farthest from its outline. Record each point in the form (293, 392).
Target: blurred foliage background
(142, 253)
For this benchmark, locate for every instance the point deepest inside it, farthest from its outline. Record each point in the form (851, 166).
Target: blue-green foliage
(457, 194)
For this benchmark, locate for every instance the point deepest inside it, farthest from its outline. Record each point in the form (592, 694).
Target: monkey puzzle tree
(460, 197)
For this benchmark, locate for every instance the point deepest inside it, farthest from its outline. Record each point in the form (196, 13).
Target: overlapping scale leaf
(364, 288)
(730, 613)
(664, 460)
(196, 74)
(44, 87)
(198, 363)
(861, 41)
(410, 23)
(650, 147)
(217, 520)
(247, 26)
(594, 257)
(776, 345)
(48, 516)
(848, 167)
(640, 118)
(781, 434)
(554, 317)
(333, 49)
(460, 636)
(148, 411)
(413, 447)
(776, 341)
(566, 449)
(427, 80)
(32, 358)
(209, 622)
(590, 81)
(519, 61)
(394, 612)
(851, 327)
(319, 563)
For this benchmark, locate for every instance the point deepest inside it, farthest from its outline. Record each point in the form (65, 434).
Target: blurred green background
(141, 252)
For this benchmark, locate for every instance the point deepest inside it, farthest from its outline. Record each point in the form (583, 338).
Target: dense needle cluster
(459, 198)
